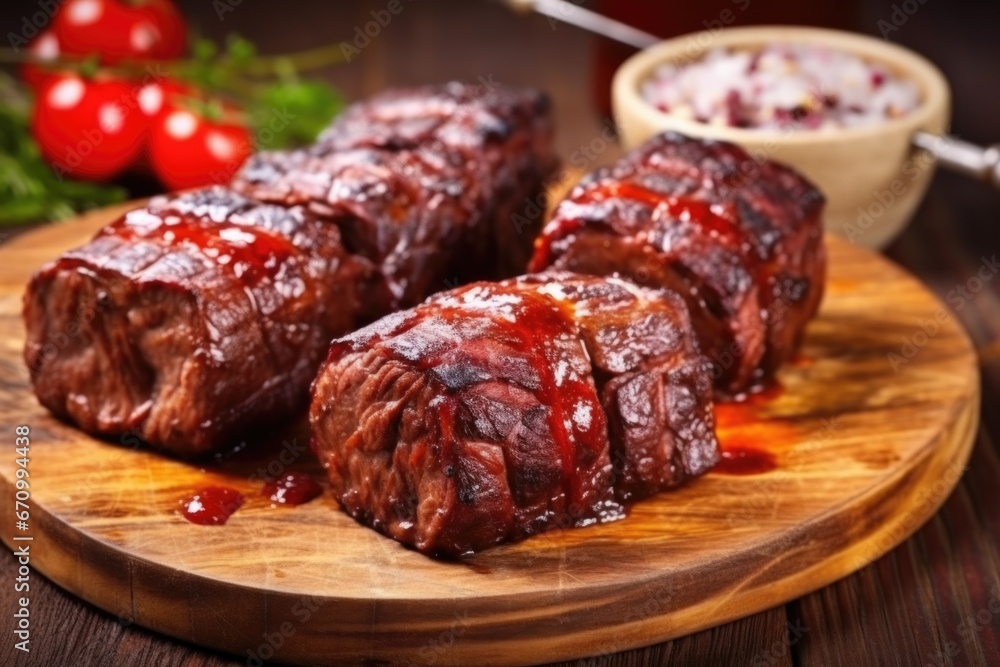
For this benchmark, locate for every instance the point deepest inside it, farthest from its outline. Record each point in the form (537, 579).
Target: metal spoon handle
(961, 156)
(950, 152)
(589, 20)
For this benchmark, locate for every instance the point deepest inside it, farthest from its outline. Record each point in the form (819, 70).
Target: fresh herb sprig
(280, 105)
(233, 75)
(29, 189)
(266, 93)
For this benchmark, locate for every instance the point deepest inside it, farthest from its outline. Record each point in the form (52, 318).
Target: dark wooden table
(934, 600)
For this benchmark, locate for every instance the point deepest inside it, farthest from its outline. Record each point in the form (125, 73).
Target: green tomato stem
(324, 56)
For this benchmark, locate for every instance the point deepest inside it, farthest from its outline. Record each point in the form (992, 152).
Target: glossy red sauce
(544, 254)
(747, 410)
(761, 396)
(748, 438)
(294, 488)
(212, 505)
(745, 461)
(251, 253)
(802, 361)
(687, 209)
(535, 324)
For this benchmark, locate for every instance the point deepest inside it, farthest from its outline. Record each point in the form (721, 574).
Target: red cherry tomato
(45, 47)
(88, 129)
(116, 31)
(188, 151)
(168, 20)
(161, 94)
(158, 97)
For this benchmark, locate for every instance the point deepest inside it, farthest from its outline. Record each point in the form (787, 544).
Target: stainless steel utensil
(587, 19)
(949, 151)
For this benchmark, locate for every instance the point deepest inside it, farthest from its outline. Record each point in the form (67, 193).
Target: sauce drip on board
(742, 460)
(746, 438)
(802, 361)
(293, 488)
(746, 411)
(212, 505)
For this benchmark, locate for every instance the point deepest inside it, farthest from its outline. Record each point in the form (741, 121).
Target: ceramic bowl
(872, 177)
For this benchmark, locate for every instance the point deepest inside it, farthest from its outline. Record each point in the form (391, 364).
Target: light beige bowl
(872, 178)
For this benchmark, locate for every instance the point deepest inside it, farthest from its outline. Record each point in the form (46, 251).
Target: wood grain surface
(911, 607)
(867, 445)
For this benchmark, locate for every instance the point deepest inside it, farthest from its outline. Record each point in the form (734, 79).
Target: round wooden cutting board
(869, 433)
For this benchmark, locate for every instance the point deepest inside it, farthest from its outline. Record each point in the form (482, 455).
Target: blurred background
(435, 40)
(292, 49)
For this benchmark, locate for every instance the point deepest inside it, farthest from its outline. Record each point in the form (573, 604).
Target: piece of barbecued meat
(507, 130)
(469, 116)
(741, 239)
(194, 320)
(499, 410)
(429, 183)
(654, 384)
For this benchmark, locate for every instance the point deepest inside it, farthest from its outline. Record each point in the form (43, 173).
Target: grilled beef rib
(193, 320)
(740, 239)
(499, 410)
(424, 182)
(204, 315)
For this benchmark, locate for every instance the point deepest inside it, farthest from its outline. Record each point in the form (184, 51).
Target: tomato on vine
(45, 47)
(156, 96)
(118, 31)
(88, 128)
(116, 90)
(188, 149)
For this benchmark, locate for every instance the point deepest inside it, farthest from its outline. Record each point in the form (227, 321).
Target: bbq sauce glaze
(688, 210)
(744, 454)
(211, 505)
(293, 488)
(745, 460)
(251, 253)
(685, 209)
(530, 321)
